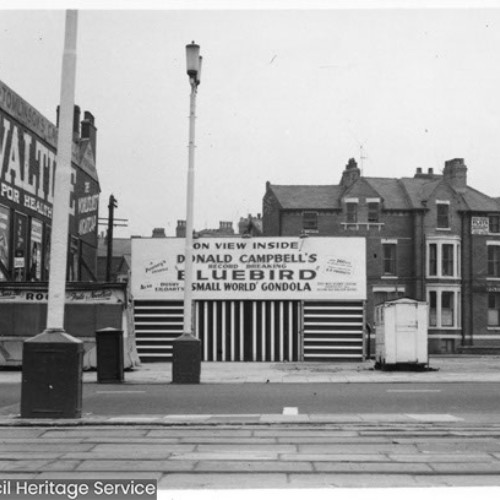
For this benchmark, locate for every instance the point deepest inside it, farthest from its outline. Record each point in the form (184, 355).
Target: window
(373, 212)
(310, 220)
(443, 215)
(494, 261)
(352, 212)
(433, 259)
(389, 254)
(443, 257)
(493, 309)
(447, 260)
(447, 309)
(444, 307)
(494, 223)
(432, 308)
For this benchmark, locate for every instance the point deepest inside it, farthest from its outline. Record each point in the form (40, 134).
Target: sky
(286, 96)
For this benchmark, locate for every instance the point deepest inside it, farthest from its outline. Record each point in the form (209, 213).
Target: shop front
(89, 307)
(255, 299)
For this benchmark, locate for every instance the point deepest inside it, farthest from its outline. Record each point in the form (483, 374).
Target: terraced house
(430, 237)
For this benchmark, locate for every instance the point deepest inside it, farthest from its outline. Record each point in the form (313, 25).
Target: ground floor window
(494, 309)
(444, 307)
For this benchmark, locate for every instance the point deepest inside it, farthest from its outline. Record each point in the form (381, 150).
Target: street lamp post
(52, 361)
(186, 359)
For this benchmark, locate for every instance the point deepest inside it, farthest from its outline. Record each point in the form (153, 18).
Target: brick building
(430, 237)
(27, 169)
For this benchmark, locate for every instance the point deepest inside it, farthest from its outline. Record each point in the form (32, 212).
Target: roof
(307, 197)
(391, 191)
(419, 189)
(397, 194)
(479, 201)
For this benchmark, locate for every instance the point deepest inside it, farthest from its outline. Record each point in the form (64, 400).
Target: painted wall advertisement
(254, 268)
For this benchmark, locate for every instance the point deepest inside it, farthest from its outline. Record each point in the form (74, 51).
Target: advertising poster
(46, 253)
(35, 269)
(20, 246)
(4, 239)
(251, 269)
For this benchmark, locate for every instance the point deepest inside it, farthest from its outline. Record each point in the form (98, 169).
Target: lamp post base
(52, 376)
(186, 360)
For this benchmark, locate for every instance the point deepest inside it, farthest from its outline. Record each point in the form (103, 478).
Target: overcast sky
(286, 96)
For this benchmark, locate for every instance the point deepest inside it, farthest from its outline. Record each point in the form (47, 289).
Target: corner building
(27, 166)
(430, 237)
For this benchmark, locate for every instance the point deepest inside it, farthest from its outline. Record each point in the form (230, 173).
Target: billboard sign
(284, 268)
(480, 225)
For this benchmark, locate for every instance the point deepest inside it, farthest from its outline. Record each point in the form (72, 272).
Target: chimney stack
(159, 232)
(89, 130)
(351, 173)
(455, 172)
(180, 230)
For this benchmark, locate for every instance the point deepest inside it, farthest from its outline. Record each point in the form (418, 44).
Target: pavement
(200, 457)
(205, 452)
(463, 368)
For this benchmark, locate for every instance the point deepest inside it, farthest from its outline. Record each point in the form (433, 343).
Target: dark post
(186, 362)
(52, 376)
(109, 347)
(111, 207)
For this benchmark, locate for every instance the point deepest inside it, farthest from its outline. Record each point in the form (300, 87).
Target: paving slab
(441, 457)
(356, 447)
(48, 447)
(231, 440)
(223, 481)
(455, 446)
(25, 465)
(276, 448)
(338, 480)
(252, 466)
(92, 432)
(226, 455)
(32, 441)
(373, 467)
(467, 468)
(456, 480)
(153, 449)
(34, 454)
(95, 475)
(18, 475)
(190, 432)
(133, 466)
(335, 457)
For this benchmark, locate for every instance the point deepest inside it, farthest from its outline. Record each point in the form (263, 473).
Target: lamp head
(193, 60)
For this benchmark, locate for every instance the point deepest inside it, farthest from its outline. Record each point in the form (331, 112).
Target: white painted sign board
(284, 268)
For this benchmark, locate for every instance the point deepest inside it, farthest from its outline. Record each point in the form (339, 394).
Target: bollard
(109, 347)
(186, 360)
(52, 376)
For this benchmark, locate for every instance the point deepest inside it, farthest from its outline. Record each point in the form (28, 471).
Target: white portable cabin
(401, 333)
